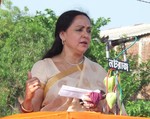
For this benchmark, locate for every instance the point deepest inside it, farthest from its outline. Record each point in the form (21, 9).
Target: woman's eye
(89, 30)
(79, 30)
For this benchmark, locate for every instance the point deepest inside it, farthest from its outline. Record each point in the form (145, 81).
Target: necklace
(74, 63)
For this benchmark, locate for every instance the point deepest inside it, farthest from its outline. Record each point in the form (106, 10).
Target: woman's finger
(88, 105)
(29, 75)
(86, 98)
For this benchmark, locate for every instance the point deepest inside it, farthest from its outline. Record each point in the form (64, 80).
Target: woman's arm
(38, 99)
(33, 95)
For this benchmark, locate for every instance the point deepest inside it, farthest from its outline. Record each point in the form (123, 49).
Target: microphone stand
(123, 47)
(107, 50)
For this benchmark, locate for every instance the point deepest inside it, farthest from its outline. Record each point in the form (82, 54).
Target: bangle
(25, 110)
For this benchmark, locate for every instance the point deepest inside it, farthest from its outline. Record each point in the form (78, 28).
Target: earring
(63, 42)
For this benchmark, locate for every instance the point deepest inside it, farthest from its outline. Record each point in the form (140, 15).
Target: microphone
(113, 43)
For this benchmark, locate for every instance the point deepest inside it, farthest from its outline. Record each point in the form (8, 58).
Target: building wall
(146, 49)
(140, 48)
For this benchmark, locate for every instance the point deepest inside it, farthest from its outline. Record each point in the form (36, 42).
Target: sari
(90, 77)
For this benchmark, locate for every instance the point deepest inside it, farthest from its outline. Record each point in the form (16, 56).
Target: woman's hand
(91, 100)
(87, 102)
(32, 84)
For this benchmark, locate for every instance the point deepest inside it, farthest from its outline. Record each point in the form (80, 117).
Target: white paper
(73, 92)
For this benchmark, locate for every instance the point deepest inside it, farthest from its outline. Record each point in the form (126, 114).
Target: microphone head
(104, 39)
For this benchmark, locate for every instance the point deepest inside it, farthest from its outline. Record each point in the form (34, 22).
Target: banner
(68, 115)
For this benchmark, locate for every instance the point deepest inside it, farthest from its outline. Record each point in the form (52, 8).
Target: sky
(121, 12)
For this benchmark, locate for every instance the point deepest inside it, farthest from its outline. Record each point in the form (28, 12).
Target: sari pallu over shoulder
(60, 75)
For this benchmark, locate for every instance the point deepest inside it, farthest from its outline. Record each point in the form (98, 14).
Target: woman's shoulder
(42, 63)
(94, 65)
(89, 61)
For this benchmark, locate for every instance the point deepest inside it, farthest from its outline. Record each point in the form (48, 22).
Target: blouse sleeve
(39, 70)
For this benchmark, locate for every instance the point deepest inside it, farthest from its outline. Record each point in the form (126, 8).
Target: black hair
(62, 24)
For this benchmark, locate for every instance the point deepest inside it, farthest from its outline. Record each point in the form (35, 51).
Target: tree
(23, 40)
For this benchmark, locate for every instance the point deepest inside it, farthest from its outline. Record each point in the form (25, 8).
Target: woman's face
(77, 37)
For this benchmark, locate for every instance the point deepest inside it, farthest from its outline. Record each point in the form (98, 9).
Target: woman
(72, 39)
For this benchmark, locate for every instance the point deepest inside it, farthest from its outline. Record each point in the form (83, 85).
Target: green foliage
(96, 27)
(138, 108)
(132, 84)
(23, 40)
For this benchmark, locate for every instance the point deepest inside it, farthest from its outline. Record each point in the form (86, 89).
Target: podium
(68, 115)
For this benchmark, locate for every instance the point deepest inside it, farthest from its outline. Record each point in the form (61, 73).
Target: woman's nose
(86, 34)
